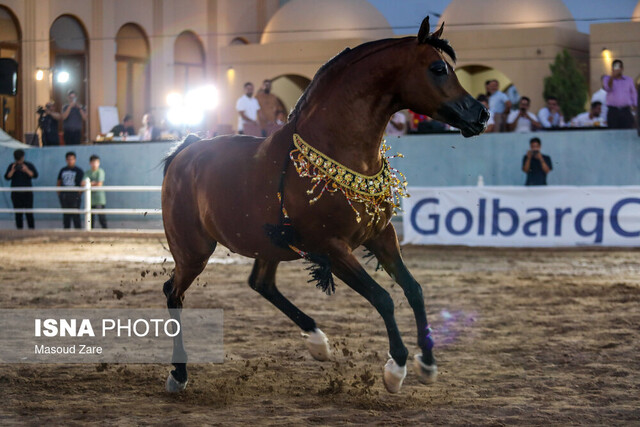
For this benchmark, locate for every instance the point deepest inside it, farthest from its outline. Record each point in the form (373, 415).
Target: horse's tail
(190, 139)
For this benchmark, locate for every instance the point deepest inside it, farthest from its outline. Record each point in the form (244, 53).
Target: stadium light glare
(63, 77)
(40, 75)
(174, 99)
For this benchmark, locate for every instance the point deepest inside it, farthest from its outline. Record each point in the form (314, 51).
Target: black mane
(443, 46)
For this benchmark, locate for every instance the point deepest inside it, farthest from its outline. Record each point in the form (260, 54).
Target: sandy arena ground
(522, 337)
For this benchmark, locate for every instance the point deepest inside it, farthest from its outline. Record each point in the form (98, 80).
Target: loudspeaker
(8, 76)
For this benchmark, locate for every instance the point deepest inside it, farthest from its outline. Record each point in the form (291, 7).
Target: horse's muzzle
(466, 114)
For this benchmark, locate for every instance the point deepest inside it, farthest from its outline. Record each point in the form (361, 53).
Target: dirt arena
(522, 337)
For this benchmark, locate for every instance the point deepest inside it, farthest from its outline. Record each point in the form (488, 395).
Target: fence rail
(87, 211)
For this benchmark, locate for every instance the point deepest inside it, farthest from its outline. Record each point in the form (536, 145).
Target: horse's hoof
(393, 376)
(426, 373)
(318, 345)
(174, 386)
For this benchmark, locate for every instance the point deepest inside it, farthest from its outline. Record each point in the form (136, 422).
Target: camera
(40, 110)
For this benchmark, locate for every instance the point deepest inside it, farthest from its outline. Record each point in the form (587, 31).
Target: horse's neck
(348, 124)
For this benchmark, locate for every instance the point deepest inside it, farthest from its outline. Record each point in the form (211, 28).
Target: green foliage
(568, 84)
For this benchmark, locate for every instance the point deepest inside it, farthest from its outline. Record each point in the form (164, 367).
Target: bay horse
(261, 197)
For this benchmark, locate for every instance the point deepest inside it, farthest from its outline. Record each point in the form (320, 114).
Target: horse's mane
(350, 56)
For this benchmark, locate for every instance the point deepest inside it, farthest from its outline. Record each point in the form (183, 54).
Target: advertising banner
(523, 216)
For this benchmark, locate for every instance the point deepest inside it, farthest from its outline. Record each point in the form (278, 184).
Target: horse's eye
(439, 68)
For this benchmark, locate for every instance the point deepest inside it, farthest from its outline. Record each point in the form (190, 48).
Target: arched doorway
(133, 77)
(11, 106)
(288, 88)
(473, 78)
(69, 61)
(188, 62)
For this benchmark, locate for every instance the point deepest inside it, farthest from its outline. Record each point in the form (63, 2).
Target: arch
(69, 52)
(188, 61)
(288, 88)
(238, 41)
(133, 73)
(472, 77)
(10, 47)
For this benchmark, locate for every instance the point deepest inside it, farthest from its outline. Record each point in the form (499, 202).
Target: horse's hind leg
(263, 281)
(186, 270)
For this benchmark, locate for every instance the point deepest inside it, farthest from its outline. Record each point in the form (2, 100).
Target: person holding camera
(621, 97)
(21, 173)
(73, 116)
(535, 164)
(522, 120)
(48, 122)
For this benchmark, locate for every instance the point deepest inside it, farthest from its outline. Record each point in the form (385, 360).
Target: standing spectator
(70, 176)
(125, 128)
(550, 116)
(48, 122)
(149, 131)
(621, 97)
(73, 116)
(522, 120)
(601, 96)
(247, 107)
(499, 104)
(535, 164)
(591, 118)
(397, 125)
(269, 107)
(21, 173)
(98, 199)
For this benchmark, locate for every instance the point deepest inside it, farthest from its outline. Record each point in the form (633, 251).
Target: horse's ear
(423, 34)
(438, 34)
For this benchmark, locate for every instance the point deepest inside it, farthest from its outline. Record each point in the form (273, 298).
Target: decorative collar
(376, 192)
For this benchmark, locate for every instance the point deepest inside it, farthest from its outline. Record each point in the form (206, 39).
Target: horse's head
(431, 87)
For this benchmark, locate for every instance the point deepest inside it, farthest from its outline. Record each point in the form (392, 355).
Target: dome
(302, 20)
(635, 17)
(506, 14)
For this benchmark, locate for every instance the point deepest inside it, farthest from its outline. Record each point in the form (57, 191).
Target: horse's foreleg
(348, 269)
(263, 281)
(387, 250)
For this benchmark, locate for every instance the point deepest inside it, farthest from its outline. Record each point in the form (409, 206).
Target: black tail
(190, 139)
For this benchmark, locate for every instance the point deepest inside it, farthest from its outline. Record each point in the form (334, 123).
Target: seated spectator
(397, 125)
(522, 120)
(550, 117)
(149, 131)
(591, 118)
(125, 128)
(491, 124)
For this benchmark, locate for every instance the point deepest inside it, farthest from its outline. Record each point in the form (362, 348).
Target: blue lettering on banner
(543, 220)
(597, 230)
(495, 224)
(468, 221)
(434, 217)
(505, 221)
(614, 217)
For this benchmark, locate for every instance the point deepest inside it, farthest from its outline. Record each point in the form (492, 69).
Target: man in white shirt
(601, 96)
(550, 117)
(591, 118)
(247, 107)
(522, 120)
(397, 125)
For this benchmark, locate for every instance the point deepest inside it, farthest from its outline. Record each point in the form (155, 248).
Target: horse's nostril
(484, 115)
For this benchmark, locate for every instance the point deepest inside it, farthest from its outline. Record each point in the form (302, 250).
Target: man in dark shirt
(70, 176)
(20, 173)
(73, 116)
(535, 164)
(49, 125)
(125, 128)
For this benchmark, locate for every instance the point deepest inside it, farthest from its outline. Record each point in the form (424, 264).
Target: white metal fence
(87, 190)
